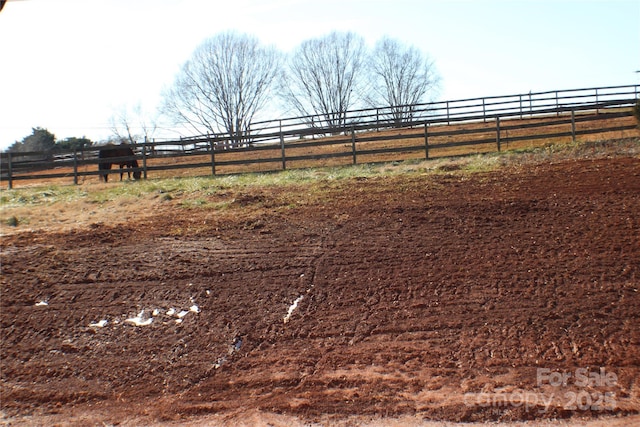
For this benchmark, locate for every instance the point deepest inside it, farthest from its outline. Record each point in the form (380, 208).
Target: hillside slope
(435, 296)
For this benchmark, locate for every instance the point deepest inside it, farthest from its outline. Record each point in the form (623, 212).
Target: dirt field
(391, 300)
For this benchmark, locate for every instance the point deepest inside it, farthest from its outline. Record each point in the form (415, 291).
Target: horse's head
(134, 164)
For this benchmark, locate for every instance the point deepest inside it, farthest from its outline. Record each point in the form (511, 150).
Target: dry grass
(65, 207)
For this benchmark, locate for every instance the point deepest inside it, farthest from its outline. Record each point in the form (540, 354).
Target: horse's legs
(106, 167)
(128, 167)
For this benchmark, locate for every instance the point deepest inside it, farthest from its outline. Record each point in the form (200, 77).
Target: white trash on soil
(100, 324)
(145, 320)
(139, 320)
(179, 315)
(292, 308)
(42, 304)
(234, 347)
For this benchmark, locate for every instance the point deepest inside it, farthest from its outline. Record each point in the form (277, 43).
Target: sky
(70, 66)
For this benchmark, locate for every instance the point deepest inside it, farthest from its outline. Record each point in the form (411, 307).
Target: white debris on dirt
(237, 343)
(179, 315)
(233, 348)
(139, 320)
(292, 308)
(101, 324)
(142, 320)
(219, 363)
(42, 304)
(136, 321)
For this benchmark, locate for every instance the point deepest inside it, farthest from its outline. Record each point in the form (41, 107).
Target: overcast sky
(70, 65)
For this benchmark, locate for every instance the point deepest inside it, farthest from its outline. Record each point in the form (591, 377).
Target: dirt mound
(449, 296)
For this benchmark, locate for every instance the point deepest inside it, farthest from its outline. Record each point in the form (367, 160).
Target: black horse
(117, 152)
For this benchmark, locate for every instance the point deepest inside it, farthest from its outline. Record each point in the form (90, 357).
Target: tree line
(43, 140)
(232, 79)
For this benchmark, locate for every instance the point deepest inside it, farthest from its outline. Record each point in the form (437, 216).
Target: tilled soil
(450, 296)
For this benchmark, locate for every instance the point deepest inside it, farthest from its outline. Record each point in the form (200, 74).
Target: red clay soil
(451, 296)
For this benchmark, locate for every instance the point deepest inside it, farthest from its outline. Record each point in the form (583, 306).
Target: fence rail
(478, 124)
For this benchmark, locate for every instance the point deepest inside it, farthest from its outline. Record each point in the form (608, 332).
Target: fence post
(284, 157)
(520, 96)
(353, 144)
(75, 166)
(9, 170)
(426, 141)
(498, 132)
(410, 117)
(213, 154)
(573, 125)
(484, 112)
(448, 113)
(144, 157)
(313, 133)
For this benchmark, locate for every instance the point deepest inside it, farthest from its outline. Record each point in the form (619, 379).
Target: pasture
(414, 293)
(432, 130)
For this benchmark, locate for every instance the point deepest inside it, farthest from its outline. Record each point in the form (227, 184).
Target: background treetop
(231, 79)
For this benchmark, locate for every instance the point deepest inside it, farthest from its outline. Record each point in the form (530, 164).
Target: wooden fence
(364, 136)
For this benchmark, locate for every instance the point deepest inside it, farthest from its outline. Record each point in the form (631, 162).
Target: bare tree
(324, 77)
(399, 77)
(224, 85)
(131, 124)
(122, 126)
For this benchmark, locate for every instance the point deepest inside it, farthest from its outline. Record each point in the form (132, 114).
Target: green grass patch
(41, 195)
